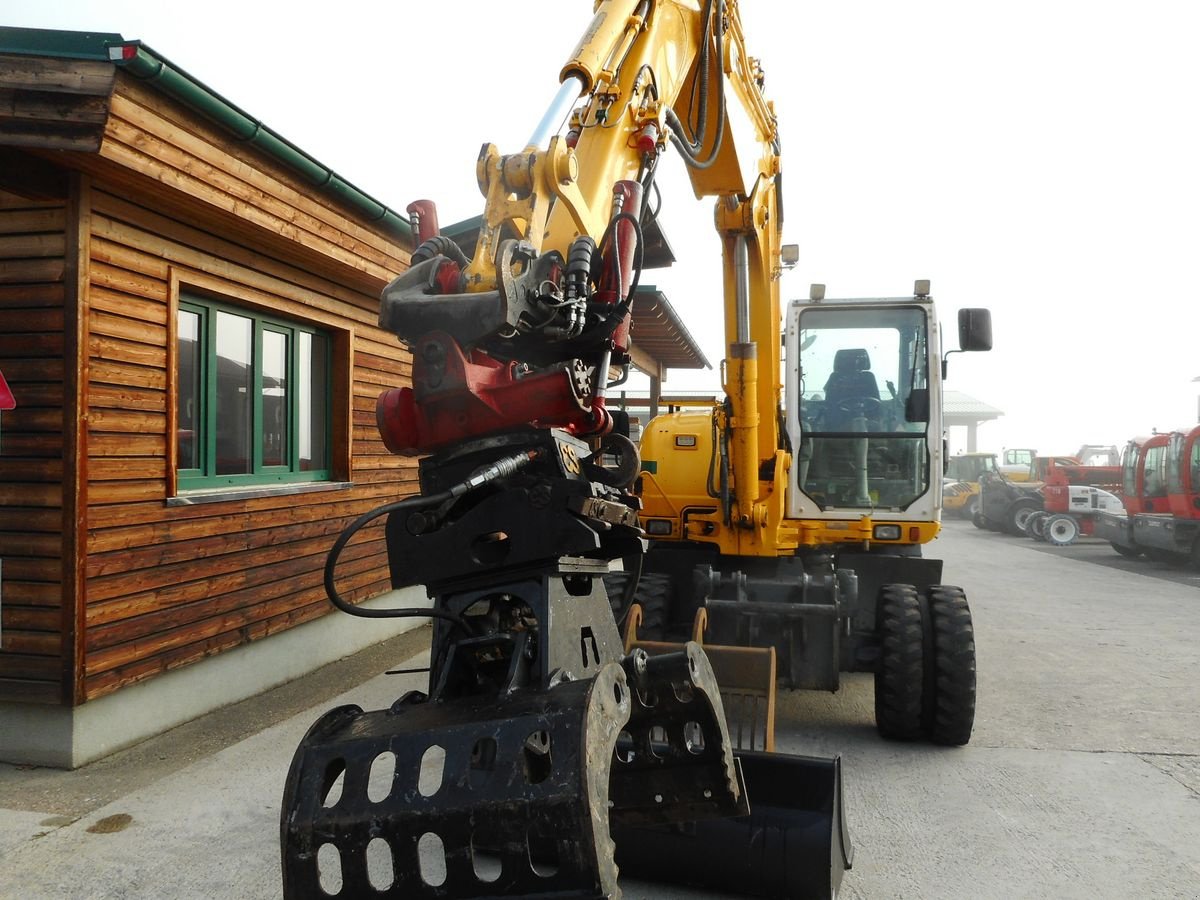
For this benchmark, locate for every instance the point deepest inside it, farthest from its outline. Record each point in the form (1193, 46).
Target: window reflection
(188, 398)
(314, 378)
(235, 379)
(275, 399)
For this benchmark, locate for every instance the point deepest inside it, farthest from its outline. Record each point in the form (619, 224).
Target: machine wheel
(1018, 514)
(900, 675)
(1035, 525)
(971, 510)
(950, 713)
(653, 594)
(978, 520)
(1196, 553)
(1133, 552)
(1061, 530)
(616, 585)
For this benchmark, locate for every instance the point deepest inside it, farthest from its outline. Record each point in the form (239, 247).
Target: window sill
(223, 494)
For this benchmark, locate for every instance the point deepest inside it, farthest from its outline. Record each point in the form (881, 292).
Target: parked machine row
(1146, 506)
(1160, 479)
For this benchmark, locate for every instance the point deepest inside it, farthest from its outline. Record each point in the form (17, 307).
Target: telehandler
(543, 754)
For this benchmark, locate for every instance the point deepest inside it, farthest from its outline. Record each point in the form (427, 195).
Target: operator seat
(851, 381)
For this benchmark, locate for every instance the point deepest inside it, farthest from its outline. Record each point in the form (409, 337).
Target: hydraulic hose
(502, 467)
(690, 150)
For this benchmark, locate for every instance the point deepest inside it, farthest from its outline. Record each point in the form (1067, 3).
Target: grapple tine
(486, 803)
(677, 763)
(746, 677)
(522, 805)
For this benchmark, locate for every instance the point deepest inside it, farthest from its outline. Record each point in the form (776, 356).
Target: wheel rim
(1062, 530)
(1021, 518)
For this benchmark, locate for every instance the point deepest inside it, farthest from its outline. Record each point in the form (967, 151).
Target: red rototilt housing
(461, 391)
(456, 395)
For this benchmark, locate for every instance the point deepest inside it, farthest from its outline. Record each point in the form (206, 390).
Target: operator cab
(862, 402)
(864, 408)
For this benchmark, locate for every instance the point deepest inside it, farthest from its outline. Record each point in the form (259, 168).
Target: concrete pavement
(1082, 778)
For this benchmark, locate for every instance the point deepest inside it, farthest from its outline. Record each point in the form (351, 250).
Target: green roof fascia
(145, 64)
(61, 44)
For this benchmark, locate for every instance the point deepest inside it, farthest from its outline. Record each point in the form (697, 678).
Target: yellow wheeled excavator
(545, 755)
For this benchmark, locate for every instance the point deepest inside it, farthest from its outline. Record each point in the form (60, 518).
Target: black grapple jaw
(528, 781)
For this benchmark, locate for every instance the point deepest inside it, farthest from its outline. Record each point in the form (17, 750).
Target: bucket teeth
(506, 795)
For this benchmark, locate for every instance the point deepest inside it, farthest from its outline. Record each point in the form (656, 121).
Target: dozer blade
(523, 784)
(793, 844)
(746, 677)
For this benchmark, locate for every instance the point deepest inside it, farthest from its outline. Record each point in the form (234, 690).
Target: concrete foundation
(66, 738)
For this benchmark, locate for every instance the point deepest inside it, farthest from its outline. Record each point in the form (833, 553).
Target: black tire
(653, 594)
(950, 713)
(620, 597)
(979, 521)
(1018, 514)
(1127, 552)
(1035, 525)
(900, 674)
(1196, 553)
(1061, 530)
(972, 508)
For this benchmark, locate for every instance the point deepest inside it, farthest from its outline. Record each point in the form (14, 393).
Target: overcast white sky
(1038, 157)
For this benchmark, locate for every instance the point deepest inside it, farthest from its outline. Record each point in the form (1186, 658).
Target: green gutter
(147, 65)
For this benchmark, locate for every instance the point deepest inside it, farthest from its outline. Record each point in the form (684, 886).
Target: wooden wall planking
(167, 585)
(32, 247)
(195, 159)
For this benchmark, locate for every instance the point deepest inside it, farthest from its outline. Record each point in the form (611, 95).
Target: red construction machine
(1070, 503)
(1161, 481)
(1070, 487)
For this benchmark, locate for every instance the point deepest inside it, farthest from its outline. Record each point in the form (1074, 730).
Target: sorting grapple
(540, 739)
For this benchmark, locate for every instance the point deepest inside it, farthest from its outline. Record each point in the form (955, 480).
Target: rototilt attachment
(509, 795)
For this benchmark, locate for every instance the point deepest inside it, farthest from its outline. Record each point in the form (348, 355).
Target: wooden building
(188, 323)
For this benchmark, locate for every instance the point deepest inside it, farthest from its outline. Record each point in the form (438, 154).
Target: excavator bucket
(794, 842)
(745, 676)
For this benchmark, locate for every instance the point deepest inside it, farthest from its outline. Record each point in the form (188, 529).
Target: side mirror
(916, 407)
(975, 329)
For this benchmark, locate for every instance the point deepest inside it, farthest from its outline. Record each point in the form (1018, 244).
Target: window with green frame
(253, 398)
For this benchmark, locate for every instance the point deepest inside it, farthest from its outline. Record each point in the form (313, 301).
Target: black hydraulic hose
(440, 245)
(726, 497)
(687, 148)
(344, 538)
(498, 469)
(712, 459)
